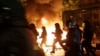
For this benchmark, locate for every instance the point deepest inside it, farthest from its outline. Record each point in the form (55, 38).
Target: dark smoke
(36, 9)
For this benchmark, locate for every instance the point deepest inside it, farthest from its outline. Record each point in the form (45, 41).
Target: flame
(44, 21)
(50, 37)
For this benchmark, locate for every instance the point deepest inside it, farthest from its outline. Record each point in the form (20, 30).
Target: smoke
(37, 9)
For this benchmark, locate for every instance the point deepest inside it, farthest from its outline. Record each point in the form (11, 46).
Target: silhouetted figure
(87, 36)
(43, 36)
(16, 37)
(35, 32)
(58, 32)
(73, 40)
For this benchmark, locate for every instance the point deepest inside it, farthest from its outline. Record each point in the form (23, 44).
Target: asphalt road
(60, 52)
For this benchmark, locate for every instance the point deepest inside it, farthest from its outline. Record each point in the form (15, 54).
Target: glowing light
(64, 35)
(44, 21)
(50, 36)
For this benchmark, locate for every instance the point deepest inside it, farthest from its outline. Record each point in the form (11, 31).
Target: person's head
(43, 27)
(32, 26)
(72, 24)
(57, 25)
(87, 24)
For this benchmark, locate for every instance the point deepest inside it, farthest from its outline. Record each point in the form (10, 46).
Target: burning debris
(45, 13)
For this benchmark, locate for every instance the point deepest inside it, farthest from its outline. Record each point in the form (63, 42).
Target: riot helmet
(16, 12)
(72, 24)
(4, 14)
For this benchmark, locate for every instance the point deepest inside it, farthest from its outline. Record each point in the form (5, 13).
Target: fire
(50, 35)
(44, 21)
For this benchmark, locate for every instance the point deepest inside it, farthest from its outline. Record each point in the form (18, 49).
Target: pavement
(60, 52)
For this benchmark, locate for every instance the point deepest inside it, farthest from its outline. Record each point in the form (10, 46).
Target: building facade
(86, 9)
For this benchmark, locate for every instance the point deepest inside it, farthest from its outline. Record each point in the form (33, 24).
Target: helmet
(15, 10)
(72, 24)
(4, 14)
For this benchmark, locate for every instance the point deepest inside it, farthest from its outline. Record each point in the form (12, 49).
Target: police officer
(73, 40)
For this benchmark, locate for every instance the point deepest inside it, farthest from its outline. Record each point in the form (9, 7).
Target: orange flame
(50, 36)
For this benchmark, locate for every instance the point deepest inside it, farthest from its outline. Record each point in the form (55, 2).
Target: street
(60, 52)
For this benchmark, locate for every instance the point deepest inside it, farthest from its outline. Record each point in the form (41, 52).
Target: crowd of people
(77, 40)
(19, 38)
